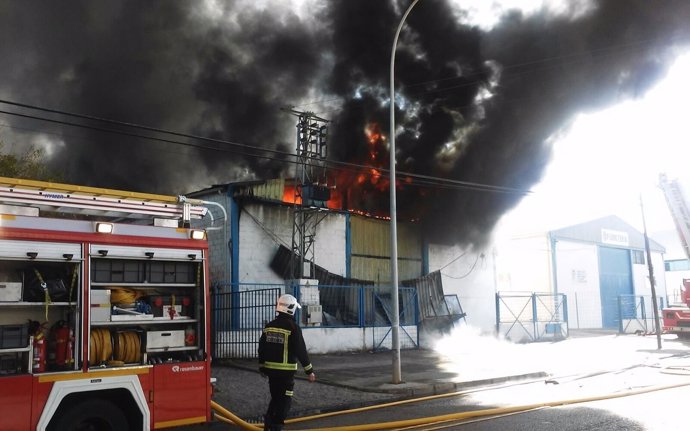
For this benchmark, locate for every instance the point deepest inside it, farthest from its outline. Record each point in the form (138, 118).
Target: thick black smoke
(475, 105)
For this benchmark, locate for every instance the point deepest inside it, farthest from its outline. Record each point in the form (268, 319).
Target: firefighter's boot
(268, 426)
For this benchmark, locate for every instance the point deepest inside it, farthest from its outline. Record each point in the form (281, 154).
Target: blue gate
(380, 315)
(615, 279)
(637, 314)
(238, 318)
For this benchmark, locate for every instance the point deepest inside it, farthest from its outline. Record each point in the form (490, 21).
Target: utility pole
(311, 190)
(657, 327)
(395, 324)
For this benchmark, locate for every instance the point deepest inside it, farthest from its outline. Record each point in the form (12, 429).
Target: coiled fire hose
(124, 347)
(121, 295)
(100, 346)
(128, 347)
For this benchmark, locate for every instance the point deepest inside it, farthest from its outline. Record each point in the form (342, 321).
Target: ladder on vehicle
(117, 204)
(678, 206)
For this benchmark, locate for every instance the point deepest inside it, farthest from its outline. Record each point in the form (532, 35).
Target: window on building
(677, 265)
(638, 257)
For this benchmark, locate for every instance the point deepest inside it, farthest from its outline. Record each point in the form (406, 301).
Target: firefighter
(280, 347)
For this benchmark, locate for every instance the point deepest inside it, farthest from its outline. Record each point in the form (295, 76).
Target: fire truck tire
(96, 414)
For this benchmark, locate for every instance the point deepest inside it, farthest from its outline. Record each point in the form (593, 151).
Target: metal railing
(239, 313)
(360, 306)
(636, 315)
(238, 318)
(531, 316)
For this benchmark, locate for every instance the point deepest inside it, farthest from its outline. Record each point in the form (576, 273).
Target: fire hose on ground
(225, 415)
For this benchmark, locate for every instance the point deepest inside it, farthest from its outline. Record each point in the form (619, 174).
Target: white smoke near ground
(473, 355)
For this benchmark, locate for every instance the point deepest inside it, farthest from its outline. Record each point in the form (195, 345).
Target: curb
(420, 389)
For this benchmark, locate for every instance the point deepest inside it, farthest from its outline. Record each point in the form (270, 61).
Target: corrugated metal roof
(592, 232)
(261, 189)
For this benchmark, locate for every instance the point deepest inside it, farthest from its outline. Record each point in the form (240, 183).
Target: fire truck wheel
(93, 415)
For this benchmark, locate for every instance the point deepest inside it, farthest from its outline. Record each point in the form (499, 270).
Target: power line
(420, 180)
(136, 126)
(134, 135)
(476, 260)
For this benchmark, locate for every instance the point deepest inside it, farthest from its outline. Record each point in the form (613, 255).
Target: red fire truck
(104, 316)
(676, 317)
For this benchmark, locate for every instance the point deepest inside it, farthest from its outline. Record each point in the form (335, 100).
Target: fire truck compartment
(10, 291)
(100, 305)
(14, 336)
(161, 340)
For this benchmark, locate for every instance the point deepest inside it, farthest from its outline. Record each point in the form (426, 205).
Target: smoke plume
(475, 104)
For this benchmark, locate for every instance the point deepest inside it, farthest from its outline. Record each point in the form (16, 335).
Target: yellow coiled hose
(118, 349)
(100, 346)
(128, 347)
(121, 295)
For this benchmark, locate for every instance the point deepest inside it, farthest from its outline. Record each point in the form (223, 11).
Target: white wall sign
(614, 237)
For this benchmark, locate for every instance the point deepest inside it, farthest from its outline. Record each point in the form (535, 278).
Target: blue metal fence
(636, 314)
(531, 316)
(240, 311)
(238, 317)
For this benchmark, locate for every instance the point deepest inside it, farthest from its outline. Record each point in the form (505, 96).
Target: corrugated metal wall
(270, 189)
(370, 257)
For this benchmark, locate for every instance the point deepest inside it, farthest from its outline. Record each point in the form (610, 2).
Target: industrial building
(594, 264)
(350, 264)
(589, 265)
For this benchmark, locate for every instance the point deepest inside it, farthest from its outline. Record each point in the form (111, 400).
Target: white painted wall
(330, 247)
(321, 340)
(264, 227)
(524, 264)
(577, 274)
(333, 340)
(470, 274)
(641, 283)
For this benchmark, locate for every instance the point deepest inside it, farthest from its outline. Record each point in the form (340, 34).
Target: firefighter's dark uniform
(280, 347)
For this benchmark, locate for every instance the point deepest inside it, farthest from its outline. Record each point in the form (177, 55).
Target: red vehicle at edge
(104, 314)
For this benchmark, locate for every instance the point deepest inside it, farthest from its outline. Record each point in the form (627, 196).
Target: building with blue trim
(350, 249)
(594, 264)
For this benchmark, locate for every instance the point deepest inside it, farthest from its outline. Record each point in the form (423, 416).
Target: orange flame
(362, 192)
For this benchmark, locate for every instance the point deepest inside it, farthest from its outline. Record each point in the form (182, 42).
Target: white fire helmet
(287, 304)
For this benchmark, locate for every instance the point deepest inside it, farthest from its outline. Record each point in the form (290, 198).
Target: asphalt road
(575, 368)
(661, 410)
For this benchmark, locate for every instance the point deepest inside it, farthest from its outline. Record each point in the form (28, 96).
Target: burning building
(351, 250)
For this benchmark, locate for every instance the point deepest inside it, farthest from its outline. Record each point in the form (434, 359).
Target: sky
(503, 96)
(609, 161)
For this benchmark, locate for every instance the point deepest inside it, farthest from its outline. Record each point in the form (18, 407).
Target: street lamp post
(395, 324)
